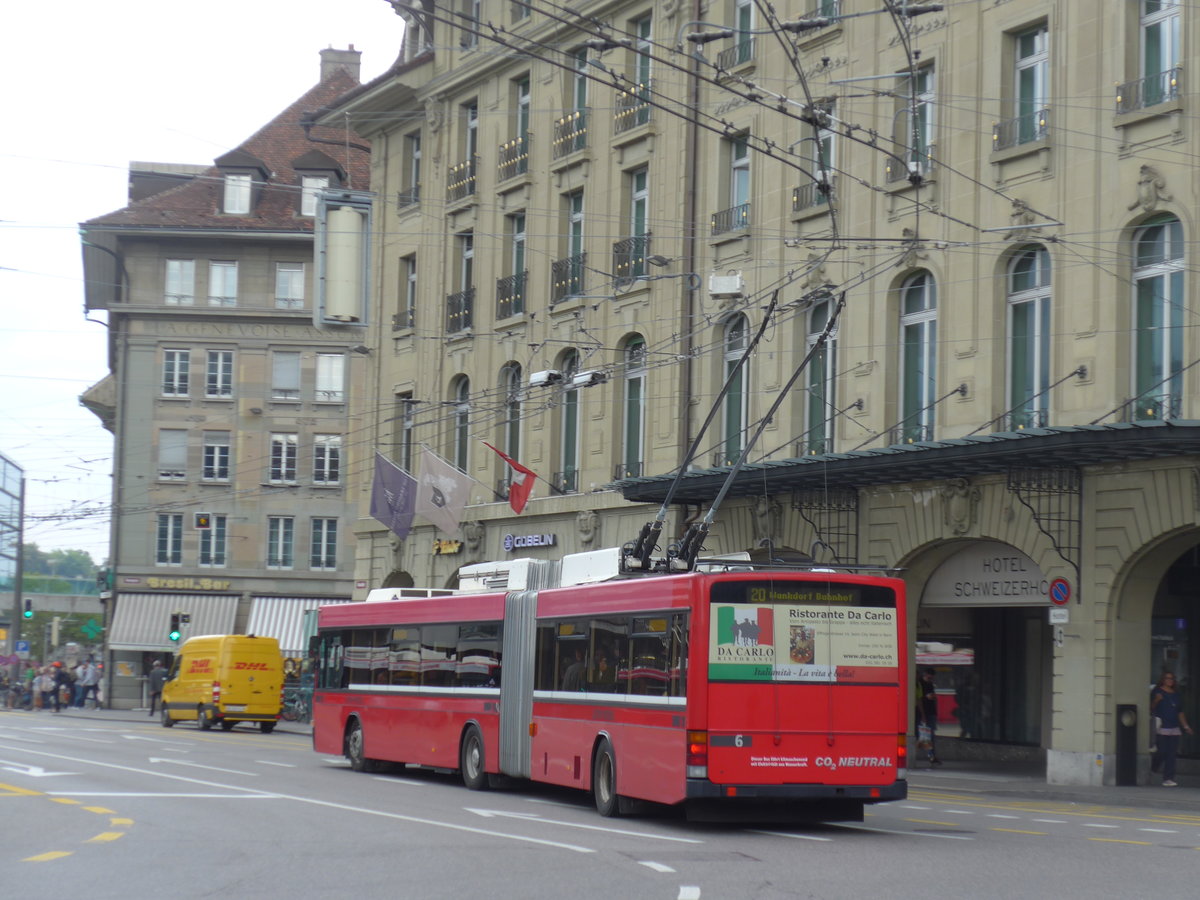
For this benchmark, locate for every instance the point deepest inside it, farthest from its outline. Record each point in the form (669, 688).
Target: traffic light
(174, 633)
(28, 611)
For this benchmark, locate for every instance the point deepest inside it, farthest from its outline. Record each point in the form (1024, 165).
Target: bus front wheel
(471, 762)
(354, 750)
(604, 781)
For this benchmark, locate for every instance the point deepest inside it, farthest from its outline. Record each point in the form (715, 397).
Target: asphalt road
(98, 807)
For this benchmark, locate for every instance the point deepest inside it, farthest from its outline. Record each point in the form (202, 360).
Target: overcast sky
(89, 87)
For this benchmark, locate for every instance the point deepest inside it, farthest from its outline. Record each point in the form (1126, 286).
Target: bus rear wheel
(472, 761)
(354, 750)
(604, 781)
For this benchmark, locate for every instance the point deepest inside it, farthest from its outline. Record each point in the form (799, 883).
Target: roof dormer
(244, 177)
(316, 172)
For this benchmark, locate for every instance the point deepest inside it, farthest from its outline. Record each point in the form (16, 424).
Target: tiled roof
(279, 144)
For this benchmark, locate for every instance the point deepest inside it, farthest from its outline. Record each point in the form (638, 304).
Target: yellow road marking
(1120, 841)
(105, 836)
(101, 810)
(1021, 831)
(19, 791)
(46, 857)
(931, 822)
(120, 821)
(65, 800)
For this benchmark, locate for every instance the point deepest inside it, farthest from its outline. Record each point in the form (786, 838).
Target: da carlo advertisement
(803, 643)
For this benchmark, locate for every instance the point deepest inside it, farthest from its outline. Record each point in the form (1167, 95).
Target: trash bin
(1127, 743)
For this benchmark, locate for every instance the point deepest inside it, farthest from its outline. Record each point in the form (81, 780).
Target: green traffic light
(28, 614)
(174, 635)
(28, 611)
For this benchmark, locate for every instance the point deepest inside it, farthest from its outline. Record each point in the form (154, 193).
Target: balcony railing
(633, 108)
(514, 158)
(1149, 407)
(813, 194)
(570, 134)
(815, 446)
(510, 295)
(1022, 419)
(733, 219)
(568, 481)
(629, 257)
(460, 181)
(825, 9)
(725, 457)
(1024, 129)
(459, 311)
(740, 53)
(628, 470)
(1149, 91)
(566, 277)
(404, 318)
(910, 434)
(918, 165)
(410, 196)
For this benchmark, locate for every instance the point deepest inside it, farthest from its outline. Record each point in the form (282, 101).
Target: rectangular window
(323, 553)
(168, 548)
(915, 123)
(470, 24)
(411, 192)
(310, 189)
(222, 283)
(237, 194)
(289, 285)
(331, 378)
(285, 375)
(283, 459)
(176, 366)
(213, 543)
(216, 456)
(403, 435)
(327, 459)
(172, 454)
(510, 291)
(281, 532)
(579, 81)
(406, 315)
(181, 282)
(1032, 89)
(218, 378)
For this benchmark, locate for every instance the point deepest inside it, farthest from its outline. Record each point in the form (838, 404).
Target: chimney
(332, 60)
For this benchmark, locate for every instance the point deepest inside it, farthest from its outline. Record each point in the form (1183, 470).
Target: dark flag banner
(393, 496)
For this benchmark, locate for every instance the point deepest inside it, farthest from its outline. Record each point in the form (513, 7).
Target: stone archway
(398, 579)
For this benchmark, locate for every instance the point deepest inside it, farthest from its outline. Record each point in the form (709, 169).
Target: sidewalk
(142, 717)
(1022, 782)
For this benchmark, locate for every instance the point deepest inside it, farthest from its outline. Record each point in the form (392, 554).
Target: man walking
(156, 680)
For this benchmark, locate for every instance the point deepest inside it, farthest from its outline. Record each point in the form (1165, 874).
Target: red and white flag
(520, 483)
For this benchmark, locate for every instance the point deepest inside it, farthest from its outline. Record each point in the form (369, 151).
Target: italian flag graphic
(746, 625)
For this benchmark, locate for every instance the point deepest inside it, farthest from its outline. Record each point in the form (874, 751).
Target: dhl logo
(200, 667)
(256, 666)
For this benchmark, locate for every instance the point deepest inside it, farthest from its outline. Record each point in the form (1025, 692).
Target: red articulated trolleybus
(728, 686)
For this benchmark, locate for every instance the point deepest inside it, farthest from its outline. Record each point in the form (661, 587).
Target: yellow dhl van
(225, 678)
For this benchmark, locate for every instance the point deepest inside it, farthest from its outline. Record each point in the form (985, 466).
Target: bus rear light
(697, 754)
(901, 756)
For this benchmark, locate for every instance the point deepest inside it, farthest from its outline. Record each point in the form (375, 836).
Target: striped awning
(283, 618)
(141, 621)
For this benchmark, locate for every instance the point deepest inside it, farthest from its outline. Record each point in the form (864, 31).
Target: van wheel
(267, 727)
(166, 719)
(604, 781)
(354, 750)
(226, 725)
(203, 720)
(471, 761)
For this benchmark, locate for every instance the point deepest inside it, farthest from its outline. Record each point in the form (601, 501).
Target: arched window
(634, 409)
(567, 478)
(733, 417)
(510, 387)
(462, 420)
(819, 402)
(1028, 338)
(1158, 318)
(918, 373)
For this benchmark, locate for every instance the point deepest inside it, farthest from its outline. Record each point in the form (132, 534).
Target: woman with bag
(1167, 706)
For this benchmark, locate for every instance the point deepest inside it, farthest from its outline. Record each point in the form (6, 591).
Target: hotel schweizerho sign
(987, 573)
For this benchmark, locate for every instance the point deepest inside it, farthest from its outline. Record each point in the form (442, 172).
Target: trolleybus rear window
(793, 631)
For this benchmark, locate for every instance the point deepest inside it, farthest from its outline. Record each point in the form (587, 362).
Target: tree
(63, 563)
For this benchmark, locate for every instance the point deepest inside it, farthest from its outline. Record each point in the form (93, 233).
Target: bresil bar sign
(987, 573)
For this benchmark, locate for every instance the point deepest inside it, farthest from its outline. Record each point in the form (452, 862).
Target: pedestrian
(1166, 705)
(63, 689)
(156, 679)
(90, 681)
(79, 672)
(926, 712)
(46, 687)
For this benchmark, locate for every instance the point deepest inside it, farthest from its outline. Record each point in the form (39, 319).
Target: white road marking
(961, 812)
(912, 806)
(271, 762)
(410, 782)
(183, 762)
(926, 834)
(788, 834)
(688, 892)
(29, 771)
(1160, 830)
(1052, 821)
(164, 795)
(138, 737)
(657, 867)
(534, 817)
(1001, 816)
(1098, 825)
